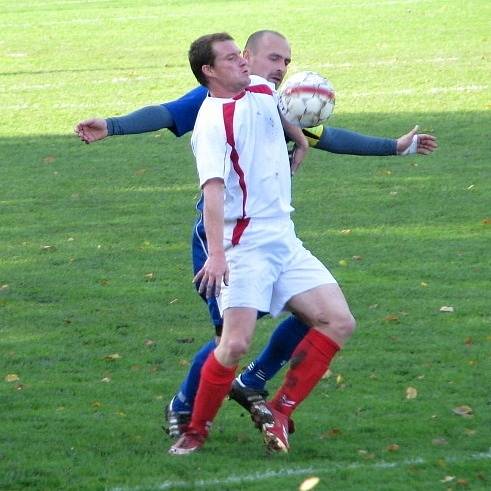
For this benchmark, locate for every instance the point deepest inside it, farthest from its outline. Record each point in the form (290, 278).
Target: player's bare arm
(301, 144)
(210, 276)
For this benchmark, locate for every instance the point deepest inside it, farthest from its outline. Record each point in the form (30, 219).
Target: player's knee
(342, 324)
(235, 349)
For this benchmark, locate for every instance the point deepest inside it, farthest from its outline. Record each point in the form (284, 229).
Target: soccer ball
(306, 99)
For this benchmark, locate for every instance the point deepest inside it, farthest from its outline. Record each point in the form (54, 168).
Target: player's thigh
(322, 305)
(238, 329)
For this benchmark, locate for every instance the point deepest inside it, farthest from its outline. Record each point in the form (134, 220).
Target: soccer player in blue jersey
(268, 54)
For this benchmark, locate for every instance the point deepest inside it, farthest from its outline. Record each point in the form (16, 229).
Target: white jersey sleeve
(209, 143)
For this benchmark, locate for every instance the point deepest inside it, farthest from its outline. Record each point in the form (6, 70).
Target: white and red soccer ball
(306, 99)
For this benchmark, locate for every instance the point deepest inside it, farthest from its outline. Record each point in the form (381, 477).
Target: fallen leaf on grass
(486, 221)
(440, 441)
(49, 159)
(462, 482)
(392, 318)
(48, 248)
(411, 393)
(366, 454)
(464, 411)
(468, 341)
(446, 308)
(150, 277)
(12, 377)
(106, 380)
(112, 357)
(447, 479)
(469, 432)
(346, 231)
(357, 258)
(185, 340)
(309, 483)
(393, 447)
(423, 284)
(332, 433)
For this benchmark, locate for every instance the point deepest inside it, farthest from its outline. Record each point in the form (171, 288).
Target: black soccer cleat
(246, 396)
(176, 423)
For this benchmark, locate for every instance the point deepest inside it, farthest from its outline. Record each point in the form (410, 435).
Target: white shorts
(268, 267)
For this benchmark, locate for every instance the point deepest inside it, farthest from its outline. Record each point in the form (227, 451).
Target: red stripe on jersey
(260, 89)
(239, 228)
(228, 119)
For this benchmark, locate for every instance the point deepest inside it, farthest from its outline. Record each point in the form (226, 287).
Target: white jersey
(241, 141)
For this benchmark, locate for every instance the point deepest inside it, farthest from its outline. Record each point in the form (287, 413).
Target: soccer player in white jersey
(255, 261)
(268, 54)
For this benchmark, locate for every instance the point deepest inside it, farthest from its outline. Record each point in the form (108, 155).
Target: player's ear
(207, 70)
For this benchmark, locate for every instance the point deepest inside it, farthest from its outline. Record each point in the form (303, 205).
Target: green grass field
(98, 315)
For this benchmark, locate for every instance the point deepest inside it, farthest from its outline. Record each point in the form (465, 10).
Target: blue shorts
(199, 250)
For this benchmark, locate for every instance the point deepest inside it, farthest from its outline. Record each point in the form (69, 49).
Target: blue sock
(278, 351)
(184, 399)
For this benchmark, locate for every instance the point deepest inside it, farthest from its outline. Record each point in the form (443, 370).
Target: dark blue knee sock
(278, 351)
(184, 400)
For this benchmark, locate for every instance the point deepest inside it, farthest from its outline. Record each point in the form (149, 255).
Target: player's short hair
(201, 53)
(255, 37)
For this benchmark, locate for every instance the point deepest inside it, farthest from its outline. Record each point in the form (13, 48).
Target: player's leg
(275, 354)
(178, 411)
(326, 309)
(217, 375)
(249, 387)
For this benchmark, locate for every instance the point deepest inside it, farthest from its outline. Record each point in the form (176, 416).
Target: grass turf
(95, 249)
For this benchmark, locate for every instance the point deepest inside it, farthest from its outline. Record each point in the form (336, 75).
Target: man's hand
(413, 142)
(91, 130)
(297, 156)
(209, 277)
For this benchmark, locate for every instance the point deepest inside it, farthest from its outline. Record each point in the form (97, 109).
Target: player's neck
(223, 92)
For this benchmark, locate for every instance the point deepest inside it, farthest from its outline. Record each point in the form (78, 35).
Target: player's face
(230, 71)
(270, 58)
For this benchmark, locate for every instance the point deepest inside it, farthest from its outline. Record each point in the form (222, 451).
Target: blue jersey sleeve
(185, 109)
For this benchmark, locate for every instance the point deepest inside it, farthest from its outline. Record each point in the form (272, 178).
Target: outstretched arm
(150, 118)
(178, 116)
(341, 141)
